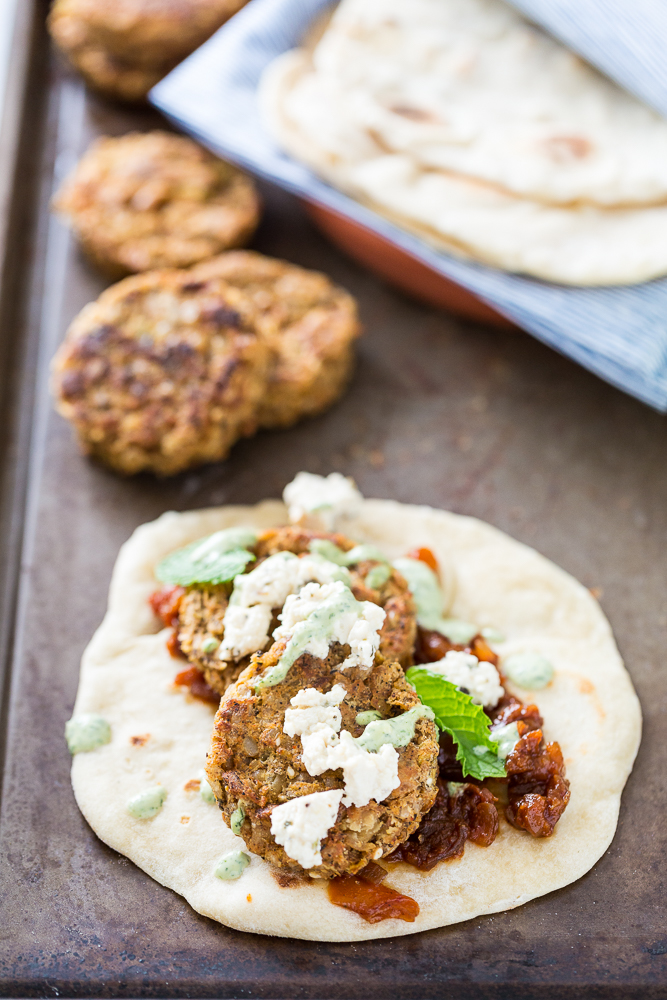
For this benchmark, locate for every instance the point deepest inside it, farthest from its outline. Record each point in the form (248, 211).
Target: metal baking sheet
(459, 416)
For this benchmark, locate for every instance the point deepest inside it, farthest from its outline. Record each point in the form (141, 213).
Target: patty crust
(254, 765)
(202, 608)
(157, 375)
(167, 369)
(153, 200)
(315, 324)
(123, 47)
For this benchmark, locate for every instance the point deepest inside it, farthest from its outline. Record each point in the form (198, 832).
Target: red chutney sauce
(535, 791)
(425, 556)
(462, 811)
(365, 895)
(432, 646)
(166, 603)
(537, 788)
(194, 679)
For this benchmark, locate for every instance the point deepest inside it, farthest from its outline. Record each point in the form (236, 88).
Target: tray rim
(18, 356)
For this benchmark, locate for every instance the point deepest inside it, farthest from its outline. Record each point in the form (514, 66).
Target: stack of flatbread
(466, 124)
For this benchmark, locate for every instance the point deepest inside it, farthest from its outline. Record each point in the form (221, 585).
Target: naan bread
(470, 87)
(581, 244)
(127, 675)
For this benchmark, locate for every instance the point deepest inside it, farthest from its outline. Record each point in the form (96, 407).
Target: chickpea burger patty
(123, 47)
(202, 608)
(315, 324)
(167, 369)
(254, 766)
(157, 376)
(150, 200)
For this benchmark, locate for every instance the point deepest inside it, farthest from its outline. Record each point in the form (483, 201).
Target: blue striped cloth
(626, 39)
(619, 333)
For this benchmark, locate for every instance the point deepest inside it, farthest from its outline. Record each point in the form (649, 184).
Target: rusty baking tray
(485, 422)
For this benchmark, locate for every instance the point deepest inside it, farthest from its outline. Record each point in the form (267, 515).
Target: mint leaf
(215, 559)
(467, 723)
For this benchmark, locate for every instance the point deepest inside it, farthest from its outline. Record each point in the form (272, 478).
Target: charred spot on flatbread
(201, 608)
(253, 764)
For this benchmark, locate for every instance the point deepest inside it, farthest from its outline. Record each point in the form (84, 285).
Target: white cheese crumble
(478, 677)
(248, 615)
(246, 630)
(301, 825)
(352, 622)
(321, 501)
(314, 711)
(366, 775)
(316, 719)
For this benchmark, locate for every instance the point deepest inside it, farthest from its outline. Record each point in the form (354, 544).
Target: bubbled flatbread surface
(127, 674)
(472, 87)
(573, 244)
(463, 123)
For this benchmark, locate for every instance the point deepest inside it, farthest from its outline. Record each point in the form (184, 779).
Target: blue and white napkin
(626, 39)
(620, 333)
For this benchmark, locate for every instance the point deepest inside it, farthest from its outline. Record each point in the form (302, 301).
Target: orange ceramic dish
(399, 268)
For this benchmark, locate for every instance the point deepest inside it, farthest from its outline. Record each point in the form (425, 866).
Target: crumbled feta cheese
(316, 719)
(478, 677)
(311, 697)
(363, 638)
(248, 615)
(315, 750)
(321, 614)
(366, 775)
(283, 574)
(246, 631)
(301, 825)
(299, 607)
(320, 501)
(314, 711)
(269, 583)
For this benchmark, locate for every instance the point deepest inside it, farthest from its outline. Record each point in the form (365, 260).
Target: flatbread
(472, 88)
(127, 675)
(579, 244)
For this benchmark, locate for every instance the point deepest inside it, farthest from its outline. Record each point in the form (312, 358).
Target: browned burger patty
(316, 324)
(202, 608)
(252, 763)
(157, 375)
(153, 200)
(123, 47)
(167, 369)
